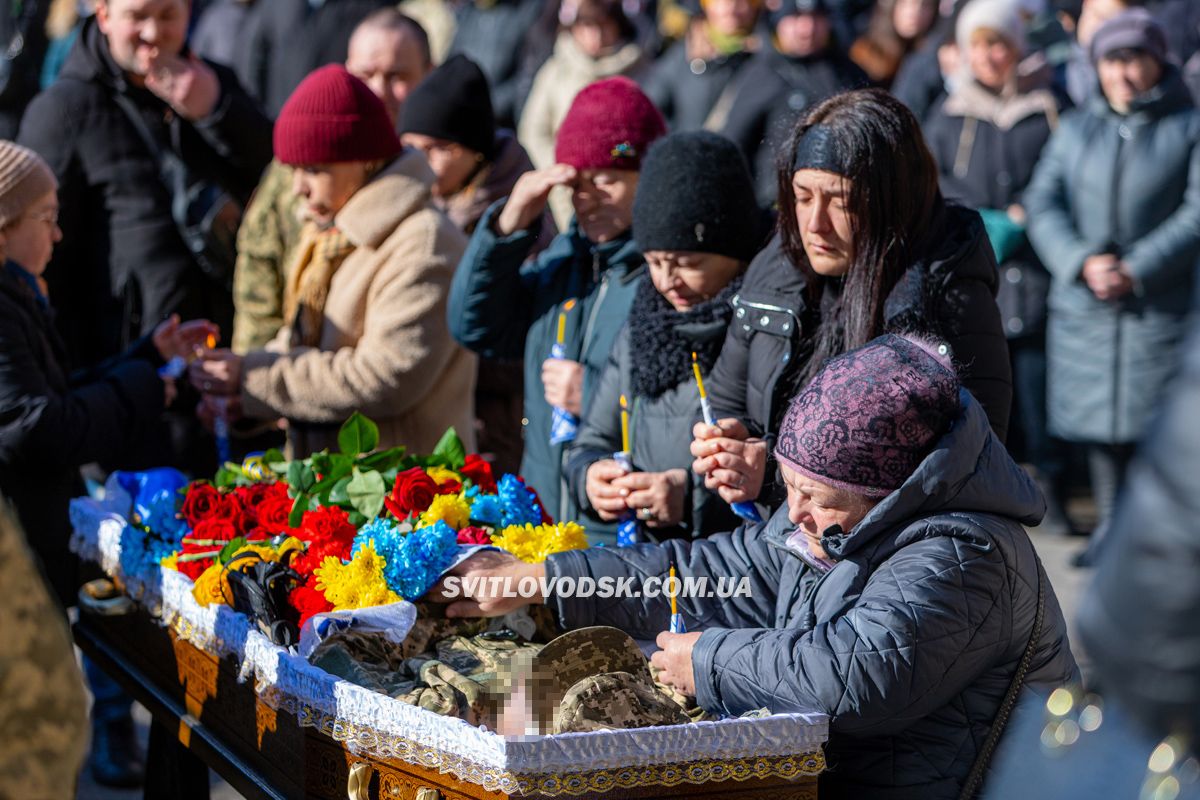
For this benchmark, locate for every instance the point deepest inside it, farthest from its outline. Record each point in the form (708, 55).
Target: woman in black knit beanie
(698, 225)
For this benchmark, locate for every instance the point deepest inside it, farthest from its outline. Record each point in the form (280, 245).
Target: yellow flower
(533, 544)
(442, 475)
(358, 584)
(170, 562)
(212, 586)
(452, 508)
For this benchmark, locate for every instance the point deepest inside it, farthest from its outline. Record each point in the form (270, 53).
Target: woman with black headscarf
(866, 245)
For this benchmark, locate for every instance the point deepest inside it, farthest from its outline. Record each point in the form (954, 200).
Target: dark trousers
(1108, 465)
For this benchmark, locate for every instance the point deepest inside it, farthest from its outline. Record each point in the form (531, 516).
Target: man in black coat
(123, 264)
(801, 68)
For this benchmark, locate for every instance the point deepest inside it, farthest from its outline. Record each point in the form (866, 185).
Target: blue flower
(488, 509)
(519, 504)
(415, 560)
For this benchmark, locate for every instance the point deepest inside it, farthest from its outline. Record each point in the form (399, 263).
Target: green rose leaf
(449, 451)
(298, 509)
(366, 491)
(358, 435)
(229, 549)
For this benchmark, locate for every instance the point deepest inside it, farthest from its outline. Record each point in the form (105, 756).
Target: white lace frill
(377, 725)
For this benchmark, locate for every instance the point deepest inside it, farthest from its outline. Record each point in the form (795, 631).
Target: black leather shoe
(116, 758)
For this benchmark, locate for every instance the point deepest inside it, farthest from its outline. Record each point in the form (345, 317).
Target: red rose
(308, 601)
(215, 529)
(273, 512)
(251, 497)
(412, 494)
(201, 502)
(449, 486)
(480, 473)
(473, 535)
(327, 524)
(194, 569)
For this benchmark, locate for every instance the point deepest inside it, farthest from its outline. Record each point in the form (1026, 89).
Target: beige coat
(385, 348)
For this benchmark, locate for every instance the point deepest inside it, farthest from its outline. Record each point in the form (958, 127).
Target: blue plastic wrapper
(677, 624)
(155, 494)
(563, 424)
(628, 529)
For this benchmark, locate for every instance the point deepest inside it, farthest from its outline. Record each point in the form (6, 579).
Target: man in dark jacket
(1114, 215)
(896, 592)
(693, 82)
(802, 67)
(123, 265)
(492, 34)
(503, 306)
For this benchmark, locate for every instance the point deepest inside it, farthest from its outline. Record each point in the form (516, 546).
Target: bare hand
(171, 338)
(529, 197)
(217, 372)
(657, 497)
(484, 597)
(563, 380)
(675, 660)
(185, 83)
(1107, 276)
(733, 464)
(606, 499)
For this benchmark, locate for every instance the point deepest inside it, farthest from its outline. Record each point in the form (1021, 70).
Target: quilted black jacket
(909, 643)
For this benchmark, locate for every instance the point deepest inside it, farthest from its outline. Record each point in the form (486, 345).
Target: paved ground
(1056, 553)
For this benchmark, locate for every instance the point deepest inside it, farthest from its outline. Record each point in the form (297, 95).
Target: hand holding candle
(563, 382)
(745, 509)
(627, 529)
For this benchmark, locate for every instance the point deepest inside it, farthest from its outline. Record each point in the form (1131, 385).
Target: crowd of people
(895, 276)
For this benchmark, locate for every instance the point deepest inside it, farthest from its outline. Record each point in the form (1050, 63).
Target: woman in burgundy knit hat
(365, 303)
(503, 307)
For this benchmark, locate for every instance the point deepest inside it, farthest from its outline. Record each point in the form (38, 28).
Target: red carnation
(449, 486)
(413, 492)
(474, 535)
(307, 562)
(327, 524)
(194, 569)
(308, 601)
(480, 473)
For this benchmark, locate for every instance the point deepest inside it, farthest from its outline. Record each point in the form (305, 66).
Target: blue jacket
(1128, 185)
(909, 643)
(505, 306)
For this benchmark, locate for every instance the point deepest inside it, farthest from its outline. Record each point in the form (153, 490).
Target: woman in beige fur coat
(366, 300)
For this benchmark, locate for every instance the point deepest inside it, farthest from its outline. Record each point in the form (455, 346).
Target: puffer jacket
(949, 293)
(505, 304)
(908, 643)
(1128, 185)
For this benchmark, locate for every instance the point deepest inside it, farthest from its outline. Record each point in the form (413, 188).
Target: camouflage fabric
(585, 680)
(267, 238)
(43, 707)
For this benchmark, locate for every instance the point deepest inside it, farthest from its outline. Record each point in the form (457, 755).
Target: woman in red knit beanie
(365, 300)
(504, 305)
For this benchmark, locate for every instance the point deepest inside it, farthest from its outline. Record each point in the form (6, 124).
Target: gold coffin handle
(425, 793)
(358, 785)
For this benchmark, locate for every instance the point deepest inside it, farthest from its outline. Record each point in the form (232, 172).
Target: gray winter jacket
(909, 643)
(1128, 185)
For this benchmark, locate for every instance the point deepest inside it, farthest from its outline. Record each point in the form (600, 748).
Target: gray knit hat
(24, 177)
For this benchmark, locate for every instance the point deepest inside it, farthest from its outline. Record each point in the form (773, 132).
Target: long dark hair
(894, 201)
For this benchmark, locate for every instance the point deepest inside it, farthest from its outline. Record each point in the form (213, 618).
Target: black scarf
(663, 339)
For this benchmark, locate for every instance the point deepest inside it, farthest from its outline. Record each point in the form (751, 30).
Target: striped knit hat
(24, 177)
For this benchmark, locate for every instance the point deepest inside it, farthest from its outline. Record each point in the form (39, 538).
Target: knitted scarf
(664, 339)
(320, 254)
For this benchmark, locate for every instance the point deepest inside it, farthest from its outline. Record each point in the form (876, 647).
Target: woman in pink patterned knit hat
(503, 307)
